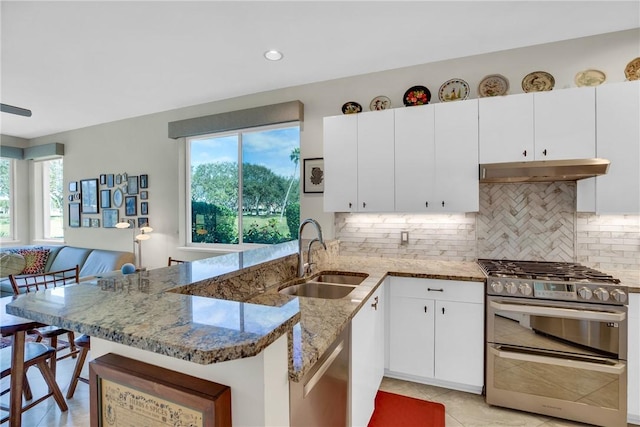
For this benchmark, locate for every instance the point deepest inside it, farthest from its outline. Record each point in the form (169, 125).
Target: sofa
(45, 258)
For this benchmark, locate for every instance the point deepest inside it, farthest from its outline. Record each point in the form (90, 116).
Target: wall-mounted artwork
(132, 185)
(131, 205)
(105, 198)
(110, 180)
(144, 181)
(89, 191)
(144, 208)
(74, 214)
(313, 175)
(109, 218)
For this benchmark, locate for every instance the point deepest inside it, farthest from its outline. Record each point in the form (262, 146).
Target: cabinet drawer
(445, 290)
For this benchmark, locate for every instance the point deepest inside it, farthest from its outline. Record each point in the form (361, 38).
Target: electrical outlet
(404, 237)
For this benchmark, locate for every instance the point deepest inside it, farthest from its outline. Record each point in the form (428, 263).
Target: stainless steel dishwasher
(320, 399)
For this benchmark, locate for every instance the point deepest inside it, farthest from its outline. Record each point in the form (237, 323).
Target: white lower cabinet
(436, 332)
(367, 356)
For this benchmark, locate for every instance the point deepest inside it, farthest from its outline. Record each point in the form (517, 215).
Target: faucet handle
(308, 267)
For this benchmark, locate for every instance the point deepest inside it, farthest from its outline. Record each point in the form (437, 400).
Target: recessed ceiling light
(273, 55)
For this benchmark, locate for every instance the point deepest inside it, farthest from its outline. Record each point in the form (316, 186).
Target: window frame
(226, 247)
(12, 237)
(42, 202)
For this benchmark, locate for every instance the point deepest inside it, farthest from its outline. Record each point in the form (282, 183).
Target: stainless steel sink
(326, 285)
(341, 279)
(318, 290)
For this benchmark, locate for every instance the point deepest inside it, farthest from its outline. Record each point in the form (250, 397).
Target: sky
(269, 148)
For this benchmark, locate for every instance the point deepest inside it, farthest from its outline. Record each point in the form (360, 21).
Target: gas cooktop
(544, 270)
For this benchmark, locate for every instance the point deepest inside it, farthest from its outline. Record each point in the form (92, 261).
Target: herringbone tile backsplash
(527, 221)
(533, 221)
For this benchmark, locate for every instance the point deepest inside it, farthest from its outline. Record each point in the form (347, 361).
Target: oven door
(560, 373)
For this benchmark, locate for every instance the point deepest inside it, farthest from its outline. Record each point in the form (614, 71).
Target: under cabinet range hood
(543, 170)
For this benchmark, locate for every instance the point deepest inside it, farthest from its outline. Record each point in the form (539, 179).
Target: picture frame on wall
(89, 195)
(144, 181)
(313, 173)
(109, 218)
(105, 198)
(73, 186)
(131, 205)
(144, 208)
(132, 185)
(86, 222)
(74, 215)
(103, 179)
(110, 180)
(144, 195)
(118, 179)
(95, 222)
(143, 221)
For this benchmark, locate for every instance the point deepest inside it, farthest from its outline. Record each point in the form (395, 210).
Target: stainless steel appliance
(320, 399)
(556, 341)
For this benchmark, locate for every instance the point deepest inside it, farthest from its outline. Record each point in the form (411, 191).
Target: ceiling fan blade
(15, 110)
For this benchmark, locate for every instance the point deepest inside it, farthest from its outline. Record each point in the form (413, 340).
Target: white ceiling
(76, 64)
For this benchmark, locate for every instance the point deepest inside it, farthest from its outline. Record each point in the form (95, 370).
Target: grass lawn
(262, 220)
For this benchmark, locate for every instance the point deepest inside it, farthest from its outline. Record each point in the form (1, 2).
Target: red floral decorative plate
(416, 95)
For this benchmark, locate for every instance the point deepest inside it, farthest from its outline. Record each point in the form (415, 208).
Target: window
(7, 190)
(244, 186)
(53, 202)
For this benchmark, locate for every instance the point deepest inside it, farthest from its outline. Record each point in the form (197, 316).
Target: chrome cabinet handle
(375, 304)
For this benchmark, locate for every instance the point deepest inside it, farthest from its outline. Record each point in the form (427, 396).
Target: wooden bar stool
(34, 354)
(84, 344)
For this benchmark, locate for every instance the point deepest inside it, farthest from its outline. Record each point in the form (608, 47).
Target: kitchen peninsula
(222, 319)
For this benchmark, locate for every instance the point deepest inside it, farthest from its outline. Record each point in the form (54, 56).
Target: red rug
(393, 410)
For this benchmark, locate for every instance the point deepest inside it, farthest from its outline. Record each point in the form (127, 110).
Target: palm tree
(295, 158)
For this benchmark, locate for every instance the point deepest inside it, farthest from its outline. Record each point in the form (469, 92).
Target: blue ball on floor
(128, 268)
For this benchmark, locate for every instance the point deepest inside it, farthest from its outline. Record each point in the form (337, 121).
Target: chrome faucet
(302, 267)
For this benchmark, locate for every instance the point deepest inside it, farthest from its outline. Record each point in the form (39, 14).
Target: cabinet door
(565, 124)
(415, 159)
(340, 163)
(459, 342)
(367, 357)
(456, 138)
(618, 134)
(506, 128)
(411, 336)
(375, 161)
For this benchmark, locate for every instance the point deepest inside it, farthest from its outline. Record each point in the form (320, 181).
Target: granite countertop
(225, 307)
(228, 307)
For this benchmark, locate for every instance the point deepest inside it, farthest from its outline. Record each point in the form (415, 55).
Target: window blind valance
(291, 111)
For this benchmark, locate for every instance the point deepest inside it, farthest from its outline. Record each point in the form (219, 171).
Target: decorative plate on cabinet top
(453, 90)
(590, 78)
(351, 108)
(416, 95)
(493, 85)
(538, 81)
(379, 103)
(632, 71)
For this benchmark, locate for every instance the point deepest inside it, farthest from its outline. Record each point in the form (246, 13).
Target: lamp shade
(123, 224)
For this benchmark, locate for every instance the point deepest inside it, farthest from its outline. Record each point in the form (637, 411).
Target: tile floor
(462, 409)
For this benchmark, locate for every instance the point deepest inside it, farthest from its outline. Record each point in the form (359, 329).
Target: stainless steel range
(556, 340)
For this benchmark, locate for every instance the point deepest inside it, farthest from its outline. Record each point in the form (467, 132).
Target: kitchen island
(223, 319)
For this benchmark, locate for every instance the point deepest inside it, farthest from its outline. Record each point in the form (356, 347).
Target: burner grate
(544, 270)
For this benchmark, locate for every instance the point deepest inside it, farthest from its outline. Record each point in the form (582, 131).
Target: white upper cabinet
(565, 124)
(618, 140)
(340, 163)
(506, 128)
(415, 152)
(456, 136)
(436, 161)
(375, 161)
(552, 125)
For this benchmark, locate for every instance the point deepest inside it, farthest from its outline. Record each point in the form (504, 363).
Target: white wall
(140, 145)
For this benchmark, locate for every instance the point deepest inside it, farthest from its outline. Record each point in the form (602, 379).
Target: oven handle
(567, 313)
(617, 369)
